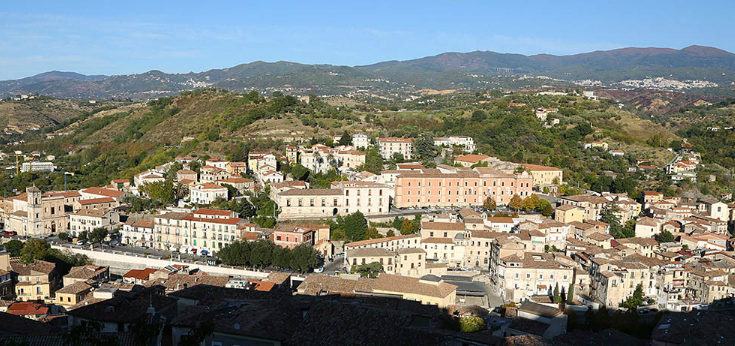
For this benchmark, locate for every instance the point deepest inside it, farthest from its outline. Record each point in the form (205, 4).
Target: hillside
(473, 70)
(18, 117)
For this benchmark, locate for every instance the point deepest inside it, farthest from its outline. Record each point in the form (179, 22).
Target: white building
(91, 219)
(467, 143)
(390, 146)
(207, 193)
(37, 166)
(138, 232)
(360, 140)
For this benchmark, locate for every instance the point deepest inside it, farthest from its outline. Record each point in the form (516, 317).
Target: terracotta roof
(438, 240)
(471, 158)
(35, 266)
(85, 272)
(213, 212)
(103, 191)
(75, 288)
(312, 192)
(28, 309)
(530, 167)
(140, 274)
(369, 252)
(100, 200)
(443, 226)
(395, 139)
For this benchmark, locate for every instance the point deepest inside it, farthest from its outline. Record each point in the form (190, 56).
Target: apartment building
(391, 146)
(207, 193)
(466, 143)
(360, 141)
(592, 205)
(544, 176)
(345, 197)
(520, 277)
(203, 231)
(87, 220)
(138, 232)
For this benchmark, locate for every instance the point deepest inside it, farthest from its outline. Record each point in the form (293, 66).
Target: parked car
(319, 270)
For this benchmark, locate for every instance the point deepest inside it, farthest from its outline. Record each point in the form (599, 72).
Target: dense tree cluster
(264, 253)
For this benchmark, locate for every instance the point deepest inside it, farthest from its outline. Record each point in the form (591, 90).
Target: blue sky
(120, 37)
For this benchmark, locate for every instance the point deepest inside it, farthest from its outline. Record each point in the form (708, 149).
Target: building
(425, 291)
(345, 197)
(470, 160)
(567, 213)
(544, 176)
(91, 274)
(138, 232)
(87, 220)
(466, 143)
(592, 205)
(458, 188)
(203, 231)
(186, 174)
(520, 277)
(37, 166)
(207, 193)
(391, 147)
(73, 294)
(37, 214)
(35, 281)
(360, 141)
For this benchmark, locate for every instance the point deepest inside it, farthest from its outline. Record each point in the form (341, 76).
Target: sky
(123, 37)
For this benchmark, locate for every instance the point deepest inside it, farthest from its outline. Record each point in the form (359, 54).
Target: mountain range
(470, 70)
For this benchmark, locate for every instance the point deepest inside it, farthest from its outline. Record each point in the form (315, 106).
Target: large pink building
(459, 188)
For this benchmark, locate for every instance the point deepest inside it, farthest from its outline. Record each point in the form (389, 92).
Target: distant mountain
(447, 70)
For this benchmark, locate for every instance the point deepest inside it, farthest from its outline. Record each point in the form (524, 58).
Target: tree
(635, 300)
(346, 139)
(160, 192)
(516, 203)
(354, 226)
(98, 235)
(63, 236)
(34, 249)
(664, 237)
(83, 236)
(557, 295)
(304, 258)
(390, 233)
(471, 324)
(425, 148)
(368, 270)
(545, 208)
(570, 291)
(299, 172)
(489, 204)
(373, 161)
(14, 247)
(479, 116)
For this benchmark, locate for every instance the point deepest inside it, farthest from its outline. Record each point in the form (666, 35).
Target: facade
(35, 281)
(203, 231)
(37, 214)
(520, 277)
(458, 188)
(89, 219)
(467, 143)
(345, 197)
(391, 146)
(544, 175)
(207, 193)
(360, 141)
(138, 232)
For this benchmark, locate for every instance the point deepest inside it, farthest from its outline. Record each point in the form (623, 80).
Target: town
(474, 232)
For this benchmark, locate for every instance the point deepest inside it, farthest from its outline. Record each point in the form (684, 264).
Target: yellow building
(567, 214)
(72, 294)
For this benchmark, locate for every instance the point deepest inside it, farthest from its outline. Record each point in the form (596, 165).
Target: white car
(319, 270)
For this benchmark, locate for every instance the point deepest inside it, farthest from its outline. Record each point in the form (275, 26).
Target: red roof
(103, 191)
(472, 158)
(217, 212)
(27, 308)
(96, 200)
(140, 274)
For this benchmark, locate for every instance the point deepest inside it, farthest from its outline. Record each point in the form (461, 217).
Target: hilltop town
(396, 226)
